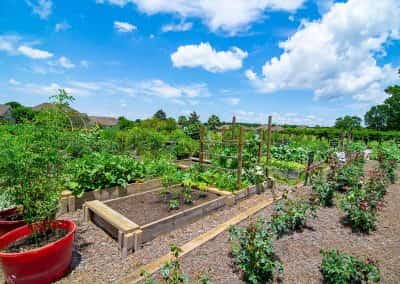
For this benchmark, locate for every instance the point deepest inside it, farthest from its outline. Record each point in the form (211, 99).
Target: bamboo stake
(269, 145)
(240, 159)
(201, 146)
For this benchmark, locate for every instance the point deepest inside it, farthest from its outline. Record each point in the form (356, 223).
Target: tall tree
(160, 114)
(182, 121)
(376, 118)
(194, 118)
(348, 122)
(387, 115)
(213, 122)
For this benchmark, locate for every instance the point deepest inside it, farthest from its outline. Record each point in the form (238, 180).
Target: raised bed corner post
(267, 171)
(233, 127)
(240, 159)
(201, 158)
(308, 168)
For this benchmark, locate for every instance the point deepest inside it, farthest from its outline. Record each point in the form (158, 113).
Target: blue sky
(304, 62)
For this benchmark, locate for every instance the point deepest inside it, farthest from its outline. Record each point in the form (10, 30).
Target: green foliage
(213, 122)
(160, 114)
(174, 204)
(290, 215)
(171, 272)
(324, 190)
(124, 123)
(340, 268)
(348, 122)
(31, 164)
(253, 252)
(102, 170)
(387, 115)
(23, 114)
(349, 176)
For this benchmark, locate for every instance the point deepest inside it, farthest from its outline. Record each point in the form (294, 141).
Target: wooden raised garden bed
(70, 202)
(138, 218)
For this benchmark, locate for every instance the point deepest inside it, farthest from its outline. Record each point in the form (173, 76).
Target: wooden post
(233, 127)
(260, 151)
(269, 145)
(201, 146)
(240, 159)
(342, 141)
(309, 163)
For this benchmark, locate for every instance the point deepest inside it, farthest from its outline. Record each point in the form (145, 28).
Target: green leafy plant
(360, 213)
(174, 204)
(290, 215)
(340, 268)
(253, 252)
(324, 190)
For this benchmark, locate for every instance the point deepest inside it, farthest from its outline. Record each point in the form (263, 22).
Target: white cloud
(34, 53)
(42, 8)
(335, 56)
(124, 27)
(215, 14)
(63, 62)
(181, 27)
(182, 94)
(8, 43)
(205, 56)
(14, 82)
(233, 101)
(63, 26)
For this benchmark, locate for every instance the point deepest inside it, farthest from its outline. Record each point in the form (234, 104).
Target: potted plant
(31, 171)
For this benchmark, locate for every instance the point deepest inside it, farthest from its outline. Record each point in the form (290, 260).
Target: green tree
(13, 104)
(348, 122)
(182, 121)
(160, 114)
(124, 123)
(214, 122)
(22, 113)
(387, 115)
(194, 118)
(376, 118)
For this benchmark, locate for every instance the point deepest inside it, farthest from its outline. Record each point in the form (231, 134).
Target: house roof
(104, 120)
(4, 109)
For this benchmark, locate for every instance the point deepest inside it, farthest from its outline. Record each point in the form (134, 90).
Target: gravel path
(97, 257)
(300, 252)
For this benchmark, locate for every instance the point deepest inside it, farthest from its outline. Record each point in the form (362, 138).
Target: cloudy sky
(303, 61)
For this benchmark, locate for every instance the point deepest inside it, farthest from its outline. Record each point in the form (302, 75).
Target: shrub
(253, 252)
(360, 213)
(171, 272)
(349, 177)
(290, 215)
(323, 190)
(340, 268)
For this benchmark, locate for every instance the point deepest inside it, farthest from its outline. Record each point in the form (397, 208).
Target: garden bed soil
(39, 240)
(150, 206)
(300, 251)
(97, 258)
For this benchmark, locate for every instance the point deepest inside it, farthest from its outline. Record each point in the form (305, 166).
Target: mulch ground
(300, 252)
(96, 257)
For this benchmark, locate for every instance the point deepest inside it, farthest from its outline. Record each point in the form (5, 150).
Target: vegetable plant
(340, 268)
(290, 215)
(253, 252)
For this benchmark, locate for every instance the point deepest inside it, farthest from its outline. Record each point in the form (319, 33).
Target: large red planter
(6, 226)
(42, 265)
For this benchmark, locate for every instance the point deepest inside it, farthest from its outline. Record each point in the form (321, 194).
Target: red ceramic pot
(6, 226)
(42, 265)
